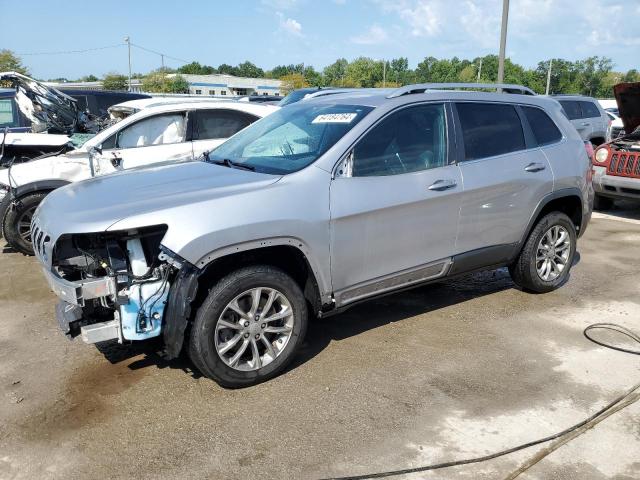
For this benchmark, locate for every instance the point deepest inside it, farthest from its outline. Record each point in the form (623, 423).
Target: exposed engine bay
(138, 284)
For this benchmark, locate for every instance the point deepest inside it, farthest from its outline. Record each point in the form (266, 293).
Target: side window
(589, 110)
(544, 129)
(218, 123)
(156, 130)
(7, 113)
(410, 140)
(489, 129)
(109, 143)
(571, 109)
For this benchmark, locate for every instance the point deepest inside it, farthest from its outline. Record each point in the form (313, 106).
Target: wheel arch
(568, 201)
(38, 186)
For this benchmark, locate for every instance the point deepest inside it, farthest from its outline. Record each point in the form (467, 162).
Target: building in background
(212, 85)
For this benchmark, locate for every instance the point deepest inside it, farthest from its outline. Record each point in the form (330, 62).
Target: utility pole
(479, 71)
(503, 40)
(128, 40)
(162, 60)
(384, 73)
(546, 92)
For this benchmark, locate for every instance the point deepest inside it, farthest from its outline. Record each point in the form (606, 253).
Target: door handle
(534, 167)
(116, 161)
(440, 185)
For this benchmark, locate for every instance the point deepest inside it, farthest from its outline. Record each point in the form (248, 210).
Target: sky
(313, 32)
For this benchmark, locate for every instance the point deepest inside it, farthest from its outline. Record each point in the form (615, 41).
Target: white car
(617, 127)
(167, 132)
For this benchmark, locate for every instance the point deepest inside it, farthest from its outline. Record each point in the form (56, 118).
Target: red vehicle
(616, 165)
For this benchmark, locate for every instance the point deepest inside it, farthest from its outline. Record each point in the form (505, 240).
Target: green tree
(194, 68)
(114, 81)
(159, 82)
(293, 81)
(248, 69)
(10, 62)
(335, 73)
(89, 78)
(364, 72)
(227, 69)
(631, 76)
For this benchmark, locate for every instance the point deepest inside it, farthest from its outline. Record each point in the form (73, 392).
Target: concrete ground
(439, 373)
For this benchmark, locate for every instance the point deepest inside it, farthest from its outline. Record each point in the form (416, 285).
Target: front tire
(16, 225)
(249, 327)
(546, 258)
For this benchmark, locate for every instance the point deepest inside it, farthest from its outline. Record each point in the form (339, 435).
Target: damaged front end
(119, 286)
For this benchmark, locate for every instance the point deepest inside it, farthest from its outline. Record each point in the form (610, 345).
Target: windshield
(290, 139)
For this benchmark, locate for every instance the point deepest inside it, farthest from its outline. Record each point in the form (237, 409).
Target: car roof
(375, 97)
(249, 107)
(570, 96)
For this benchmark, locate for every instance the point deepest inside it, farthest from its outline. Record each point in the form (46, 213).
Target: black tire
(524, 272)
(16, 218)
(602, 203)
(202, 349)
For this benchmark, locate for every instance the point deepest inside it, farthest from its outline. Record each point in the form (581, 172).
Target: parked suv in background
(320, 205)
(587, 116)
(616, 165)
(168, 132)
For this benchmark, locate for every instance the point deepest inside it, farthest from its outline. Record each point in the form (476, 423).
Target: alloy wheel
(553, 253)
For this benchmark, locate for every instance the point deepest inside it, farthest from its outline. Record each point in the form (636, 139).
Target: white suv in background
(168, 132)
(589, 118)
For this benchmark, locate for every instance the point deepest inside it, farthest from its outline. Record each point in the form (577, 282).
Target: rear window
(589, 110)
(544, 129)
(489, 129)
(571, 109)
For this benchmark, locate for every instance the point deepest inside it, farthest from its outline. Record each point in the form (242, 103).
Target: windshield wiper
(225, 162)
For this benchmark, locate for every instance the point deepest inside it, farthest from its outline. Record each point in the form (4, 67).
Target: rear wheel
(544, 262)
(602, 203)
(16, 226)
(249, 327)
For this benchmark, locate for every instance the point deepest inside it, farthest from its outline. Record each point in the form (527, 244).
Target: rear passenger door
(505, 176)
(573, 110)
(213, 126)
(597, 124)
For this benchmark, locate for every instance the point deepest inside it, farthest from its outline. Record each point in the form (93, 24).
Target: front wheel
(546, 258)
(16, 225)
(249, 327)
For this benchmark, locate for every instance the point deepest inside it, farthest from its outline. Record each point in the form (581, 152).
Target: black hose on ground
(623, 401)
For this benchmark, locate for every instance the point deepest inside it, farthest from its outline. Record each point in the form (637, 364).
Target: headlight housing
(601, 155)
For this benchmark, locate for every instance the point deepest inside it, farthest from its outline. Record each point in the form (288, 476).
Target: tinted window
(410, 140)
(220, 123)
(589, 110)
(489, 129)
(543, 127)
(7, 115)
(571, 109)
(156, 130)
(291, 138)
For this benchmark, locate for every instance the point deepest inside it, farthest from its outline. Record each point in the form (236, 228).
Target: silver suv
(320, 205)
(588, 117)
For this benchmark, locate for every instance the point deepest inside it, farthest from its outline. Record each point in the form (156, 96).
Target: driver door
(395, 209)
(154, 139)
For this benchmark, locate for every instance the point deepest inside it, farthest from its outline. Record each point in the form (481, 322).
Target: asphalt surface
(443, 372)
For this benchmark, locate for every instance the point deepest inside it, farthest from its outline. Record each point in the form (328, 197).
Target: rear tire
(16, 225)
(546, 258)
(602, 203)
(249, 327)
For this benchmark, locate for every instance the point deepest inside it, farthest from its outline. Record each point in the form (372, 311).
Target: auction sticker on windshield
(335, 118)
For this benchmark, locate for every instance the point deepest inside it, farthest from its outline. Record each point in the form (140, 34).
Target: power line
(64, 52)
(160, 53)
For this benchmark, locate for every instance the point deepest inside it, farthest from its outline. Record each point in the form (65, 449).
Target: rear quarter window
(217, 123)
(589, 110)
(489, 129)
(571, 109)
(544, 129)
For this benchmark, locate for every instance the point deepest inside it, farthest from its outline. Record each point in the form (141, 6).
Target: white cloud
(424, 17)
(289, 25)
(375, 35)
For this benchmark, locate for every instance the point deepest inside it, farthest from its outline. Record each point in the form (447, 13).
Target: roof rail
(422, 87)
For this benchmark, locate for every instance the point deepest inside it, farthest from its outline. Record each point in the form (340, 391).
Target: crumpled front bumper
(77, 292)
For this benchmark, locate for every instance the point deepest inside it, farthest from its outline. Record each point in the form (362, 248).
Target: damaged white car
(168, 132)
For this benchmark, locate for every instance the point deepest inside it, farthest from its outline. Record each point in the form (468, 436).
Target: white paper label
(335, 118)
